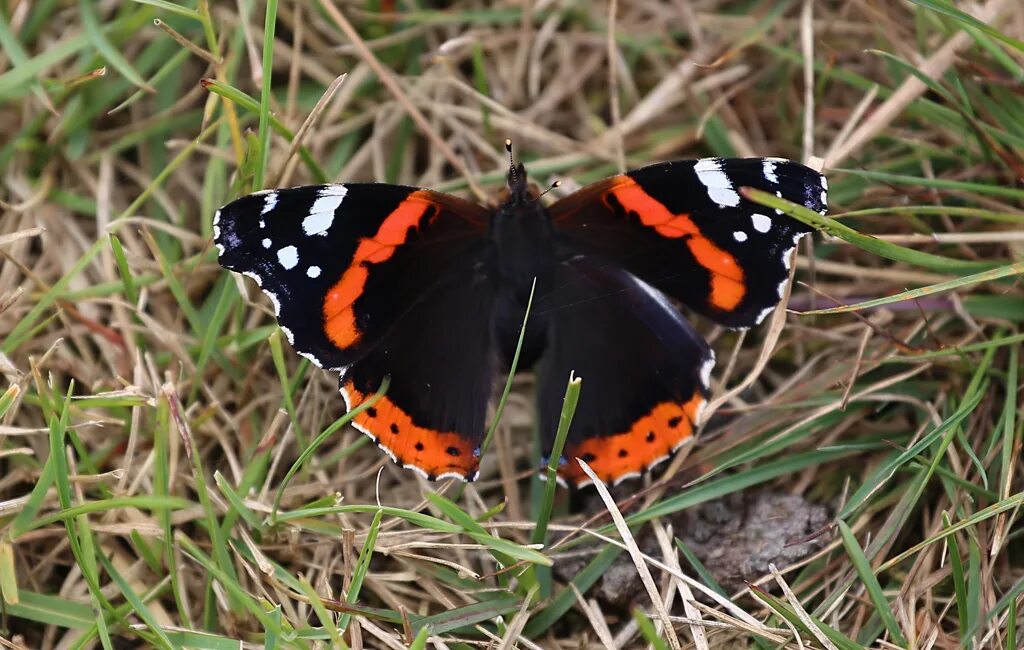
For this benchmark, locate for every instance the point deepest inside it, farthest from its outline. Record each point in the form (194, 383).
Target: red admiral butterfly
(374, 280)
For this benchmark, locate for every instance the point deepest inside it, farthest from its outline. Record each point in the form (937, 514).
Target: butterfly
(374, 280)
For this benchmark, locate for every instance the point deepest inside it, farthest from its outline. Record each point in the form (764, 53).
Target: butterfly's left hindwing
(342, 263)
(684, 228)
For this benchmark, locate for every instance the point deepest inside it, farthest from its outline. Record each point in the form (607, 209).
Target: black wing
(343, 263)
(683, 227)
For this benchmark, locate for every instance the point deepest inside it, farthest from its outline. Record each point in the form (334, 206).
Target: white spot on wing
(313, 271)
(709, 172)
(764, 313)
(288, 257)
(824, 197)
(625, 476)
(220, 250)
(740, 236)
(321, 215)
(824, 183)
(440, 477)
(768, 167)
(216, 232)
(267, 243)
(761, 222)
(263, 224)
(269, 201)
(312, 358)
(288, 333)
(705, 370)
(216, 217)
(781, 289)
(419, 470)
(684, 441)
(277, 310)
(699, 416)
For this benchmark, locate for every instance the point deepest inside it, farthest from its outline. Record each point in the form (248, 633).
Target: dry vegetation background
(152, 417)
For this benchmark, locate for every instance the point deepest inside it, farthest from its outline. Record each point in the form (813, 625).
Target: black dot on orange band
(419, 446)
(623, 453)
(372, 412)
(453, 451)
(674, 422)
(588, 458)
(394, 428)
(650, 436)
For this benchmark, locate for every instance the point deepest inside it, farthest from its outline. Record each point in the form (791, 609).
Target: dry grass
(153, 412)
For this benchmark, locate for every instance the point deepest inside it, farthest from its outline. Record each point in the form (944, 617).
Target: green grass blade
(511, 374)
(863, 567)
(113, 56)
(985, 276)
(864, 242)
(269, 25)
(970, 21)
(362, 565)
(569, 402)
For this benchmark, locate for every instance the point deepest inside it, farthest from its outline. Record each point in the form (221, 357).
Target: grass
(173, 475)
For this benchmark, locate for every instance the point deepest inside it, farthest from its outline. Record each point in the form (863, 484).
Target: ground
(162, 483)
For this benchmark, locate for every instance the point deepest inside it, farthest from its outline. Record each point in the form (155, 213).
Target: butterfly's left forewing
(343, 263)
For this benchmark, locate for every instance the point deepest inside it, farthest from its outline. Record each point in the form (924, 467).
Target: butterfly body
(378, 280)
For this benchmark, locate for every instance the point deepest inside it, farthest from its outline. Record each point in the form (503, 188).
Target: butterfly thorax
(524, 242)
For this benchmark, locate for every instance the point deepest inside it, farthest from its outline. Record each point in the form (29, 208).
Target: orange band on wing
(649, 441)
(339, 317)
(727, 286)
(435, 453)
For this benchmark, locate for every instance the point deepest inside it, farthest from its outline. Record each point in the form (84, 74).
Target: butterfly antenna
(553, 186)
(511, 162)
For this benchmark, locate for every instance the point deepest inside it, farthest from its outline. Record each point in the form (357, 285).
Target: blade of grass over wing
(967, 280)
(934, 210)
(569, 402)
(864, 242)
(540, 575)
(500, 408)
